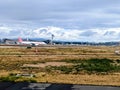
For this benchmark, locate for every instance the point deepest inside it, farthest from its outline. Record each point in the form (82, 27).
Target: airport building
(9, 41)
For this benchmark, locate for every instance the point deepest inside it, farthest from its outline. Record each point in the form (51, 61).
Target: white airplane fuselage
(31, 42)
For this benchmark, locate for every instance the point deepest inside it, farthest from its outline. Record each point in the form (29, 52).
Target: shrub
(96, 65)
(63, 69)
(8, 79)
(118, 61)
(29, 47)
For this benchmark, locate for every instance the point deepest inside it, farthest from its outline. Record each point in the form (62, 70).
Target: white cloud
(96, 35)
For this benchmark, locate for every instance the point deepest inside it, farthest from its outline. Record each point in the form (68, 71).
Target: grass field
(97, 65)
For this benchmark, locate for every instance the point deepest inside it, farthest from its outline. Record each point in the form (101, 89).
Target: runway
(48, 86)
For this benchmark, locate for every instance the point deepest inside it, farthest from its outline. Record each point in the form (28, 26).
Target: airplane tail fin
(20, 39)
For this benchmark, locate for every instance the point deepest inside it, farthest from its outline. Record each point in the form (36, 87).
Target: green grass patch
(89, 66)
(13, 78)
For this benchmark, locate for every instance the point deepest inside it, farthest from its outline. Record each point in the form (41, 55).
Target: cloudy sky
(73, 20)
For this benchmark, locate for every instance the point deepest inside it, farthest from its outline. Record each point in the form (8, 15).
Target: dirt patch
(46, 64)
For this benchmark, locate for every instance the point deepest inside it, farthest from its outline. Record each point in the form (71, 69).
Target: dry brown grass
(12, 59)
(93, 79)
(57, 52)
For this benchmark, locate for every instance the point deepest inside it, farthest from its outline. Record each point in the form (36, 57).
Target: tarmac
(48, 86)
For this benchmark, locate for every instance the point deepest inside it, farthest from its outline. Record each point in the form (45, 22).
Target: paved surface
(4, 85)
(42, 86)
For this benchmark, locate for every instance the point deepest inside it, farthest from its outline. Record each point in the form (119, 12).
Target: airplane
(20, 41)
